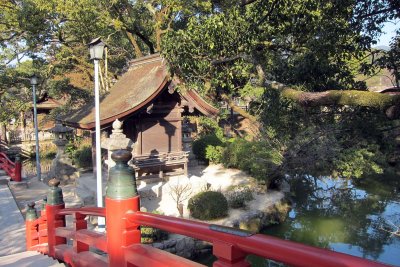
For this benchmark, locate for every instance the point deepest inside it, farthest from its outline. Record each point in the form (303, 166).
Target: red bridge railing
(120, 245)
(13, 169)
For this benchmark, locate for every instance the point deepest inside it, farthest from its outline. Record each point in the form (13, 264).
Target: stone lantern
(186, 135)
(61, 133)
(61, 167)
(116, 141)
(187, 139)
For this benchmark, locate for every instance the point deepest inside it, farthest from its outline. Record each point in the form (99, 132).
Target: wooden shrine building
(145, 99)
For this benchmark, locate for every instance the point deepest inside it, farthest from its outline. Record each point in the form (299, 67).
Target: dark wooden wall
(158, 128)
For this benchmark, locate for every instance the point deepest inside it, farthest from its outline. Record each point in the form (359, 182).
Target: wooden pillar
(55, 202)
(121, 197)
(228, 256)
(18, 169)
(43, 224)
(31, 227)
(79, 224)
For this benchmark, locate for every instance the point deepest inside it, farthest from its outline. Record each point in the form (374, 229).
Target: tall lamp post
(96, 49)
(34, 82)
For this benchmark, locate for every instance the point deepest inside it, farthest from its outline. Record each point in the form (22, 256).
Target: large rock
(264, 210)
(186, 247)
(255, 221)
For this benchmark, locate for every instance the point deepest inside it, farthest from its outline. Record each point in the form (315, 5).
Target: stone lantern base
(62, 169)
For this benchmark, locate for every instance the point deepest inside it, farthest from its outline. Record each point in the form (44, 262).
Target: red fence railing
(49, 234)
(13, 169)
(121, 245)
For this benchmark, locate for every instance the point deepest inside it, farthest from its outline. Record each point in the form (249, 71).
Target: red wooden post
(43, 223)
(31, 227)
(228, 255)
(18, 169)
(80, 223)
(55, 203)
(121, 197)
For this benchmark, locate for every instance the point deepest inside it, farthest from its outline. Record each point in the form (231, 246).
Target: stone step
(29, 259)
(4, 179)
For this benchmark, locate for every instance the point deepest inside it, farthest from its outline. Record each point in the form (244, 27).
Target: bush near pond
(258, 158)
(237, 196)
(208, 205)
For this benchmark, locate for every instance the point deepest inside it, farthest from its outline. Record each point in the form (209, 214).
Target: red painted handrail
(227, 245)
(284, 251)
(49, 234)
(12, 169)
(87, 211)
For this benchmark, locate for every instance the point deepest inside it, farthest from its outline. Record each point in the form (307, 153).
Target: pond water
(352, 217)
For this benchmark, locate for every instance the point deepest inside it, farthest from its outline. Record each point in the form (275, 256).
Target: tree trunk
(255, 125)
(388, 103)
(3, 133)
(132, 40)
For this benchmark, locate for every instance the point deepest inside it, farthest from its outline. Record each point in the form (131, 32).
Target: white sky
(389, 31)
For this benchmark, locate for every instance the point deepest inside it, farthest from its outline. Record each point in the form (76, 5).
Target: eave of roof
(200, 104)
(143, 81)
(146, 78)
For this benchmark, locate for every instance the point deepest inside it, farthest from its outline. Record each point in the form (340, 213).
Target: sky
(389, 31)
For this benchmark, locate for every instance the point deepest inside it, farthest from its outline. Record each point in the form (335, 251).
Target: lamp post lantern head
(96, 49)
(34, 79)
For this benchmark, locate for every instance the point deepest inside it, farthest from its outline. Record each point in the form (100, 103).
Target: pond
(353, 217)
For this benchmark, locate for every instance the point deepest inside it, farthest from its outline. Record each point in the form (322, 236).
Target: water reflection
(345, 216)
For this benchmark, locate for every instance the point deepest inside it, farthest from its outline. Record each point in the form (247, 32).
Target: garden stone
(185, 247)
(252, 225)
(170, 250)
(158, 245)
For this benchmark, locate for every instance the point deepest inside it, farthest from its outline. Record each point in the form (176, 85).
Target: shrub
(48, 151)
(238, 196)
(208, 205)
(150, 234)
(214, 153)
(200, 145)
(83, 157)
(257, 158)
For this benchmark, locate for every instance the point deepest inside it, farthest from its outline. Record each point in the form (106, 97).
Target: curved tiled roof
(144, 80)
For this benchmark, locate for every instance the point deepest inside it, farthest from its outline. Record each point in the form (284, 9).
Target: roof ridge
(145, 60)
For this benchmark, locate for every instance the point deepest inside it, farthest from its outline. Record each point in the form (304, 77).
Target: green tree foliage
(225, 49)
(391, 59)
(204, 144)
(313, 46)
